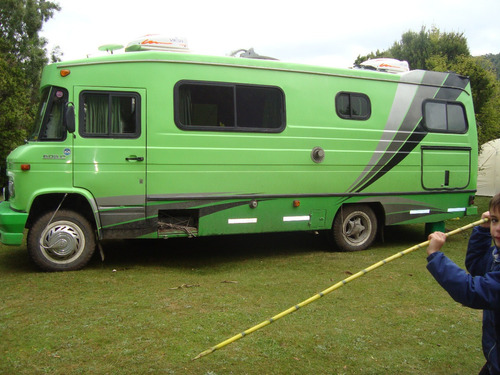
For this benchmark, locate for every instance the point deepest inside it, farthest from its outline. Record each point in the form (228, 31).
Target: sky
(331, 33)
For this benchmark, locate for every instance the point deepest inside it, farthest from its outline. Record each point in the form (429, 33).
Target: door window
(110, 114)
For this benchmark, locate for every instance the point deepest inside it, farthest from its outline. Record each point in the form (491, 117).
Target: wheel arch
(379, 211)
(377, 208)
(77, 201)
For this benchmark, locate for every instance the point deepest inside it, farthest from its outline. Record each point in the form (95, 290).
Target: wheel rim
(62, 242)
(357, 228)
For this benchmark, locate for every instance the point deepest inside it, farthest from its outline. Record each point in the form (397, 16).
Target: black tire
(65, 244)
(354, 228)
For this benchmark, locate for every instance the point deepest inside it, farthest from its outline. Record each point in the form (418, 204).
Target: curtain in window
(123, 115)
(117, 123)
(54, 124)
(96, 114)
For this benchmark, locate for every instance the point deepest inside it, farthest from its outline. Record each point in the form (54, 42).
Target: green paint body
(253, 180)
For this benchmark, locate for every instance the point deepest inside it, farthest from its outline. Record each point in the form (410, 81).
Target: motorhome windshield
(49, 124)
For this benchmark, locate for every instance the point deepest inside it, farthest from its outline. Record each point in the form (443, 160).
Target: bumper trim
(11, 225)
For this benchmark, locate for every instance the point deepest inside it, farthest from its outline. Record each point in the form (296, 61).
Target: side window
(109, 114)
(353, 106)
(445, 117)
(229, 107)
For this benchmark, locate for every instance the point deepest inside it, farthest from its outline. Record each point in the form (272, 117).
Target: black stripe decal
(410, 134)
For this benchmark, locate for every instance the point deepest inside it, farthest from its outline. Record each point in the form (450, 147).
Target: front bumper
(11, 225)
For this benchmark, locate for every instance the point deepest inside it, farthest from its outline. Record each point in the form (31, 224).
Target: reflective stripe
(418, 212)
(297, 218)
(457, 209)
(242, 221)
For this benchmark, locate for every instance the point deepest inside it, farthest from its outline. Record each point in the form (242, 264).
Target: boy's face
(495, 226)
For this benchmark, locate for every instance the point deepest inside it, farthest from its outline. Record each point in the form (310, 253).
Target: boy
(480, 289)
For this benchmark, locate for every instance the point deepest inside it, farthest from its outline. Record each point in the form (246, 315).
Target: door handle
(136, 158)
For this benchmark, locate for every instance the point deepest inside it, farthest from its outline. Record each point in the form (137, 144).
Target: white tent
(488, 176)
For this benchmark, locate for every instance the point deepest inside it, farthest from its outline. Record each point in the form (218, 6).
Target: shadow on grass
(403, 235)
(207, 251)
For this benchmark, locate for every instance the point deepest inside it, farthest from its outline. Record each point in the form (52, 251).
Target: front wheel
(354, 227)
(64, 242)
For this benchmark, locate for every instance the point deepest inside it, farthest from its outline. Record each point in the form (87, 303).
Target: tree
(15, 107)
(434, 50)
(22, 58)
(417, 48)
(485, 94)
(495, 60)
(20, 24)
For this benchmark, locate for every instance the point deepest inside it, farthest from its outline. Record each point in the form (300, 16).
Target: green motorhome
(161, 144)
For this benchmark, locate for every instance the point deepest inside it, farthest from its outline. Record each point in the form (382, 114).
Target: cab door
(110, 155)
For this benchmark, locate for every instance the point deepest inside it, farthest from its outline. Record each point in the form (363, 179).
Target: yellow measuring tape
(330, 289)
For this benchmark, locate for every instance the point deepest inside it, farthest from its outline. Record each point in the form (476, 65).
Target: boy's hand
(437, 240)
(486, 215)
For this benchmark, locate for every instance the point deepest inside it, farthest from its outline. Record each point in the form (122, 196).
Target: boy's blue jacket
(478, 289)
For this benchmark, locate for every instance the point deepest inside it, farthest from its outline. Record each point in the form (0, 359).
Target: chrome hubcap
(62, 242)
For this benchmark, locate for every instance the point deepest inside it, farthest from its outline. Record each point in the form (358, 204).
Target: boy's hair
(495, 203)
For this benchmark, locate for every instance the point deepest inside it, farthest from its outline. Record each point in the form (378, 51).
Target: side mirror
(69, 117)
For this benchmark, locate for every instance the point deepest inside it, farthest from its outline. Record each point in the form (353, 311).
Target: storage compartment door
(445, 167)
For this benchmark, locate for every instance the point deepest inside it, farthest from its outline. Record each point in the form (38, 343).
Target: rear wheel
(64, 242)
(354, 227)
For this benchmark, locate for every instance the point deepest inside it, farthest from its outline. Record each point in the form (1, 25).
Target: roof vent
(385, 65)
(158, 43)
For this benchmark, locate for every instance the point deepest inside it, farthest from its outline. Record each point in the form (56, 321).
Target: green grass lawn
(152, 306)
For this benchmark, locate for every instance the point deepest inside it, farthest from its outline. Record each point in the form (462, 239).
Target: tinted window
(228, 107)
(354, 106)
(445, 117)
